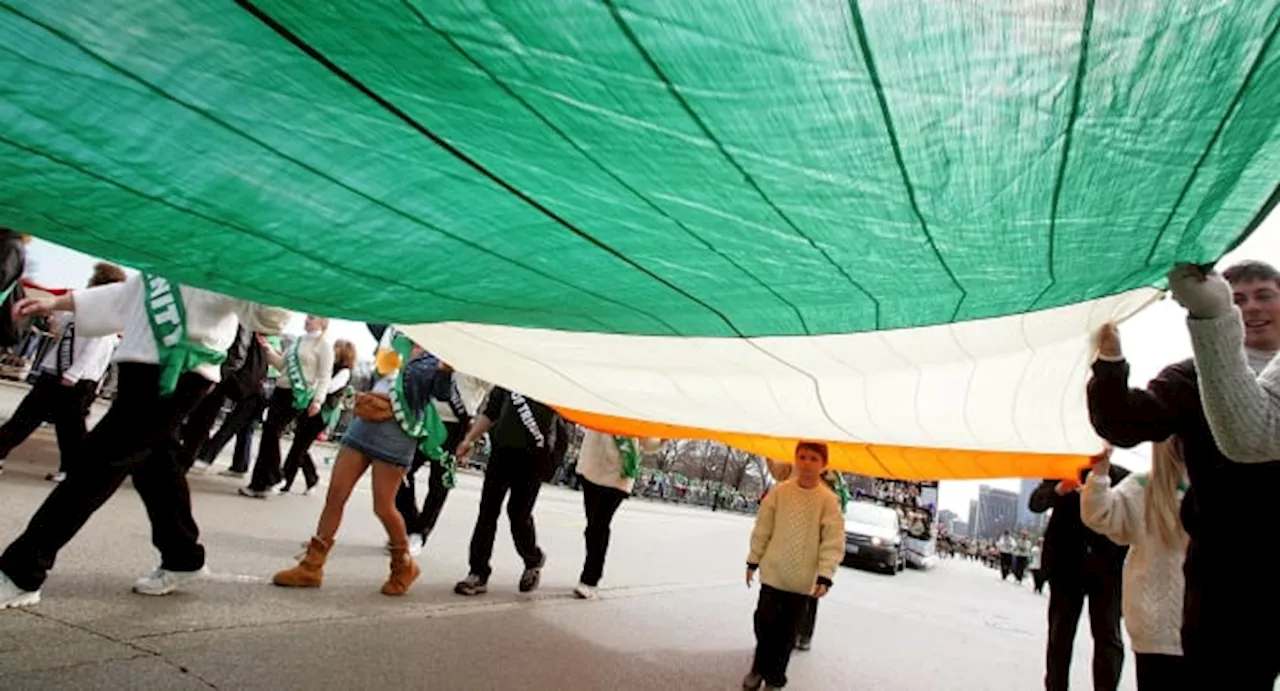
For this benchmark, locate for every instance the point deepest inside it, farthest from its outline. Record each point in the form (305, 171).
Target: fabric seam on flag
(510, 91)
(314, 53)
(746, 176)
(1232, 108)
(874, 74)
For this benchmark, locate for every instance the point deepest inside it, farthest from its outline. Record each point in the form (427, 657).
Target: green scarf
(302, 393)
(629, 450)
(836, 482)
(168, 317)
(426, 426)
(4, 295)
(331, 414)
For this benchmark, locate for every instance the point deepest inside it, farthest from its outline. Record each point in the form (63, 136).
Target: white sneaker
(56, 477)
(163, 581)
(585, 592)
(13, 596)
(252, 493)
(415, 545)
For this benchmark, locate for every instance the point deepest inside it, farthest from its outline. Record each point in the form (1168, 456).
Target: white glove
(1204, 296)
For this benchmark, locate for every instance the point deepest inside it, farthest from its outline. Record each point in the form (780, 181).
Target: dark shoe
(752, 682)
(532, 577)
(471, 586)
(803, 644)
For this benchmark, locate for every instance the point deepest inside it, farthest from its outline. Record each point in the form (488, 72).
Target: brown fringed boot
(309, 572)
(404, 571)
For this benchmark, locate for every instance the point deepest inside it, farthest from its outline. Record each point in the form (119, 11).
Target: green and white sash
(427, 427)
(4, 294)
(629, 451)
(302, 393)
(168, 317)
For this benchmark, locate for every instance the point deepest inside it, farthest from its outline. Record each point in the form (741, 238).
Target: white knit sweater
(799, 536)
(1242, 406)
(1153, 581)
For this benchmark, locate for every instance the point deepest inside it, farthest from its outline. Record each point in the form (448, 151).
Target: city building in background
(1030, 522)
(997, 512)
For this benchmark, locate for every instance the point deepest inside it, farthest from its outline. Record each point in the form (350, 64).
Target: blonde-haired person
(306, 369)
(1142, 512)
(310, 427)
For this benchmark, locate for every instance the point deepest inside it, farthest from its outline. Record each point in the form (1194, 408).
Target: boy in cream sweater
(796, 546)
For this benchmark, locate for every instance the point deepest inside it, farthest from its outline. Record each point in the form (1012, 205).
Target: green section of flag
(717, 168)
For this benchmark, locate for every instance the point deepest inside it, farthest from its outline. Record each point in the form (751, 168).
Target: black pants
(1161, 672)
(1038, 576)
(239, 424)
(1019, 567)
(65, 406)
(138, 437)
(777, 619)
(1006, 565)
(1229, 636)
(267, 472)
(305, 434)
(601, 503)
(423, 522)
(808, 622)
(1067, 593)
(516, 471)
(195, 431)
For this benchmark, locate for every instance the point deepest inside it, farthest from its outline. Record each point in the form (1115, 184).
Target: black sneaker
(471, 586)
(802, 644)
(532, 577)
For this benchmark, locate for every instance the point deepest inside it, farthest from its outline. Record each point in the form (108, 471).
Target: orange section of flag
(877, 460)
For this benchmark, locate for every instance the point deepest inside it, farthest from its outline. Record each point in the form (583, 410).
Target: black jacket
(246, 380)
(1067, 542)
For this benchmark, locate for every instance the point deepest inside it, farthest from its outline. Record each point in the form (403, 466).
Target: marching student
(174, 339)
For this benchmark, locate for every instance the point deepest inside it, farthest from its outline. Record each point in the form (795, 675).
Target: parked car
(873, 536)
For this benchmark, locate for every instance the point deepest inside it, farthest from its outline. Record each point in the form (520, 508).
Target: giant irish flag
(888, 224)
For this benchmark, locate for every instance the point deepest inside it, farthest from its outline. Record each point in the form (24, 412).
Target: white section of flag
(1013, 383)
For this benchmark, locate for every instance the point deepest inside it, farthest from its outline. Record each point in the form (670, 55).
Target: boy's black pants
(778, 616)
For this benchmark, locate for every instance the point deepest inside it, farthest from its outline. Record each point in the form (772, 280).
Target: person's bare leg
(347, 470)
(387, 479)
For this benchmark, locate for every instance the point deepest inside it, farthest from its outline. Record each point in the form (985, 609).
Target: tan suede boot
(309, 572)
(404, 571)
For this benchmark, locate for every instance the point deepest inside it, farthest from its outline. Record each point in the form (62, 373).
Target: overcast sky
(1153, 339)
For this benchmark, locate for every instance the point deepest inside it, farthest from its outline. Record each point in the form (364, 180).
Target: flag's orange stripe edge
(878, 460)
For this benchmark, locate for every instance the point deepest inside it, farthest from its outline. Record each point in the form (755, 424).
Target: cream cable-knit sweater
(1153, 580)
(799, 536)
(1243, 407)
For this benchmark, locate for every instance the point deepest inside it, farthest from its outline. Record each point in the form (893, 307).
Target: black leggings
(305, 434)
(267, 472)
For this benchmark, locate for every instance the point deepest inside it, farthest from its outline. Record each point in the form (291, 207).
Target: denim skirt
(382, 441)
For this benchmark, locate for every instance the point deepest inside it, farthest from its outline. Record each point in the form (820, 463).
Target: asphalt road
(674, 612)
